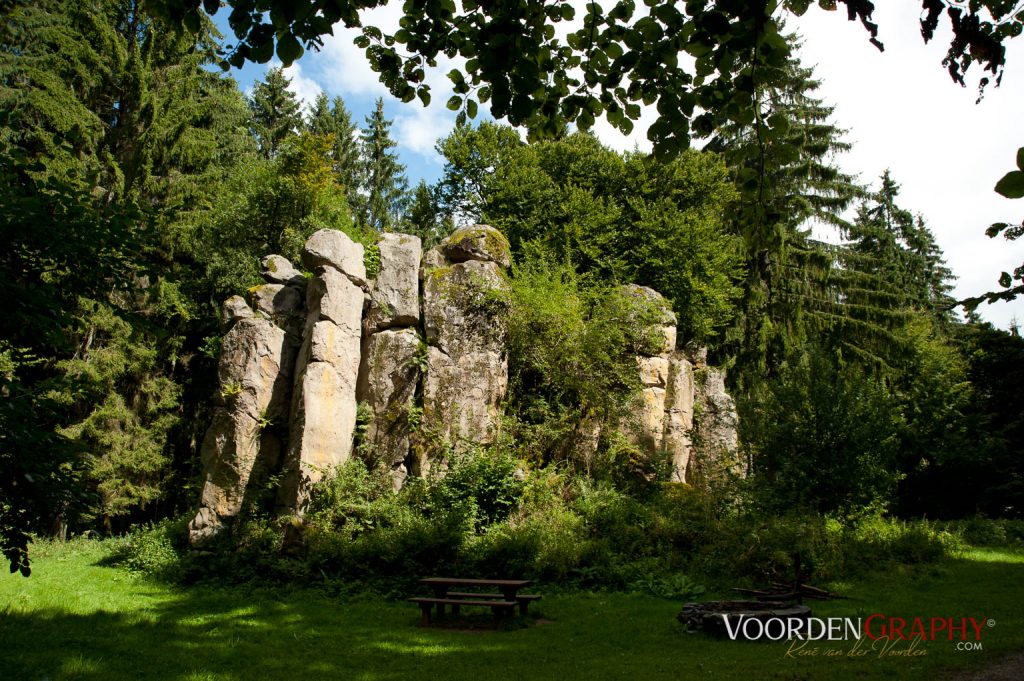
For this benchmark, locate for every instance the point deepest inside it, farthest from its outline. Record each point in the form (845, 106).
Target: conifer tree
(276, 112)
(114, 130)
(331, 117)
(786, 184)
(384, 179)
(320, 121)
(423, 217)
(906, 251)
(889, 270)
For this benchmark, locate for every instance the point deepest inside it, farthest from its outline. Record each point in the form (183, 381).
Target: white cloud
(420, 130)
(343, 66)
(303, 87)
(636, 140)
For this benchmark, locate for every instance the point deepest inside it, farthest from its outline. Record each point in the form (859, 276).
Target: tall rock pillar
(323, 412)
(465, 293)
(393, 353)
(243, 444)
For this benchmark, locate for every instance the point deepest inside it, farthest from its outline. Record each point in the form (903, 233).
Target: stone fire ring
(709, 616)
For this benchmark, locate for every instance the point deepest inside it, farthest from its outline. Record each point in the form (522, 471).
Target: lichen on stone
(495, 245)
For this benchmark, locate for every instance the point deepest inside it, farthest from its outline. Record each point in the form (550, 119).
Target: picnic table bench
(501, 604)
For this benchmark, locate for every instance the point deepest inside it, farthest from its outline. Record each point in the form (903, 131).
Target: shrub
(484, 480)
(987, 531)
(823, 438)
(155, 551)
(572, 350)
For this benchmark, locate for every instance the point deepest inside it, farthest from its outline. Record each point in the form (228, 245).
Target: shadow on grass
(140, 631)
(207, 634)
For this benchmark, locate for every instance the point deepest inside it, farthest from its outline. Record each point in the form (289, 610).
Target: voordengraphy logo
(953, 629)
(743, 626)
(886, 635)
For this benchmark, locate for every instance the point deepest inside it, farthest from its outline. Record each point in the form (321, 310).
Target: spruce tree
(895, 246)
(331, 117)
(276, 112)
(383, 176)
(423, 217)
(114, 132)
(787, 182)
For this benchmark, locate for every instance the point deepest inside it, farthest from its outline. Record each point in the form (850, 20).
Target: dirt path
(1007, 668)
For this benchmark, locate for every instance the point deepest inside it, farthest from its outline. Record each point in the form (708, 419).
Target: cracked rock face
(716, 428)
(423, 347)
(395, 299)
(388, 380)
(467, 370)
(323, 413)
(461, 395)
(462, 306)
(678, 422)
(241, 448)
(664, 413)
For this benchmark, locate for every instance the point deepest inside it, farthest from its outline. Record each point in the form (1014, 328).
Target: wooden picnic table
(508, 587)
(500, 603)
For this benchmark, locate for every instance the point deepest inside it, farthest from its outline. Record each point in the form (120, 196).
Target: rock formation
(715, 433)
(393, 353)
(421, 345)
(323, 413)
(242, 445)
(465, 292)
(678, 423)
(664, 414)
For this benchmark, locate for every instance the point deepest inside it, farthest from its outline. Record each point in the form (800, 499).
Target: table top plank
(452, 581)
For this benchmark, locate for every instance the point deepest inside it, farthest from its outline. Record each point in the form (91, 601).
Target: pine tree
(276, 112)
(331, 117)
(383, 176)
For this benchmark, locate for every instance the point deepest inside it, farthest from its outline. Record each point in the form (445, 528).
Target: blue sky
(340, 69)
(900, 107)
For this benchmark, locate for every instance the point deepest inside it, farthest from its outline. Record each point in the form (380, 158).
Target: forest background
(141, 187)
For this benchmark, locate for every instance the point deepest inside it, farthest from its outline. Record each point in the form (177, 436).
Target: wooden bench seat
(524, 600)
(499, 608)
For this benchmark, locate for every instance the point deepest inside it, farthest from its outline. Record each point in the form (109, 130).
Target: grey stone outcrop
(463, 306)
(323, 413)
(388, 385)
(666, 413)
(334, 249)
(235, 308)
(422, 347)
(277, 302)
(395, 297)
(278, 270)
(678, 423)
(243, 444)
(715, 432)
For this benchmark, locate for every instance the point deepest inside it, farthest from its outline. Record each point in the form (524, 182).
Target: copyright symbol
(991, 623)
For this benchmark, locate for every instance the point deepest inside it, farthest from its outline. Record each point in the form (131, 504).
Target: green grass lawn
(76, 619)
